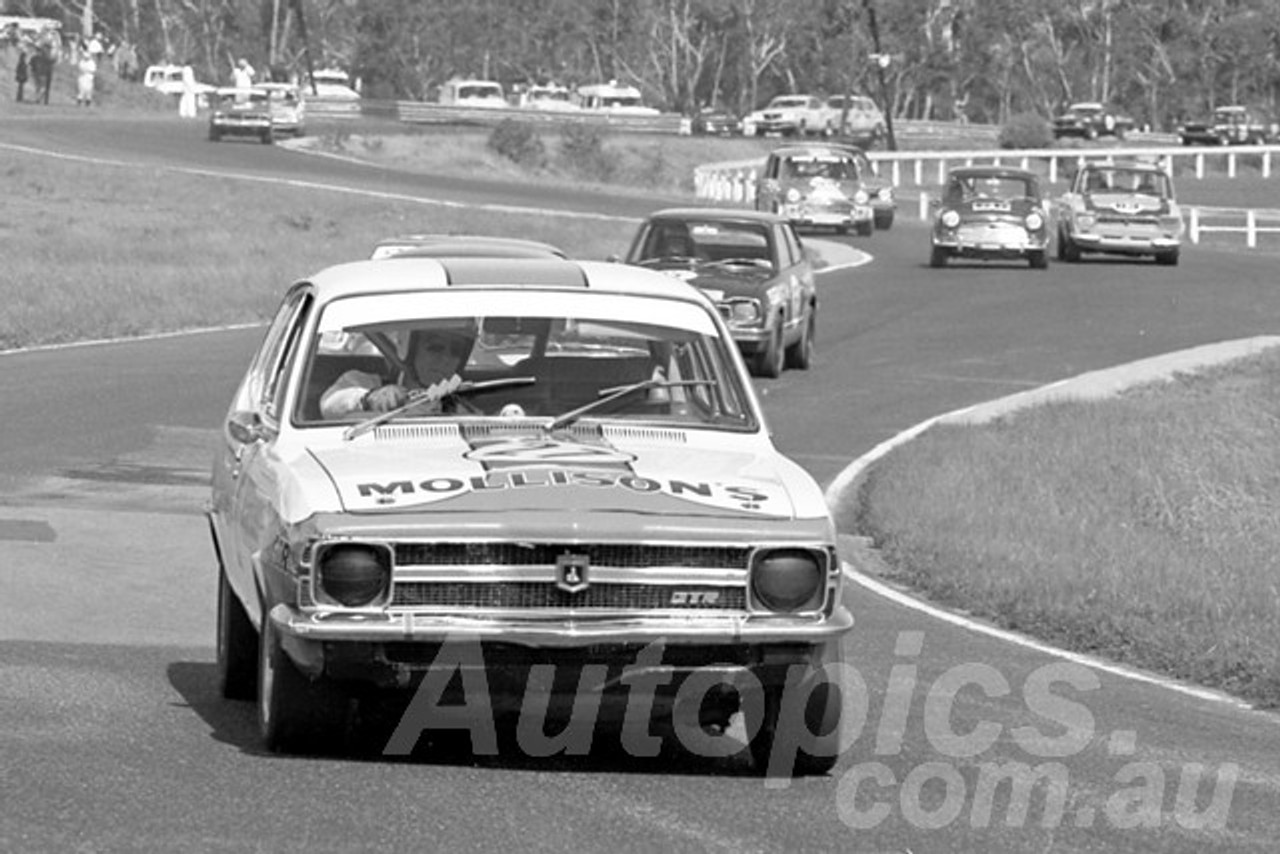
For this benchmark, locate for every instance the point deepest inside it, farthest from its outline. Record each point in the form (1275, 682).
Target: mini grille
(545, 554)
(517, 595)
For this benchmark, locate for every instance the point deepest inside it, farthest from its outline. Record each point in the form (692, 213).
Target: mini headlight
(886, 194)
(1085, 222)
(788, 580)
(353, 574)
(1034, 221)
(793, 195)
(950, 219)
(861, 197)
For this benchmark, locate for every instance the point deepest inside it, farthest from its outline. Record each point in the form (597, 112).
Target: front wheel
(1039, 260)
(808, 722)
(769, 360)
(884, 221)
(938, 257)
(1067, 249)
(294, 714)
(865, 228)
(1168, 259)
(237, 645)
(800, 354)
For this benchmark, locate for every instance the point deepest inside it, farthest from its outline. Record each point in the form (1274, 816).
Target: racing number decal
(524, 451)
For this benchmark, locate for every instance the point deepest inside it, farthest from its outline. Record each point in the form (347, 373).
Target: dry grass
(116, 251)
(1142, 528)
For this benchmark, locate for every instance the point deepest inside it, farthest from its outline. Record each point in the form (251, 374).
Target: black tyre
(268, 137)
(884, 220)
(822, 714)
(295, 715)
(800, 354)
(865, 228)
(237, 646)
(1168, 259)
(769, 361)
(938, 257)
(1039, 260)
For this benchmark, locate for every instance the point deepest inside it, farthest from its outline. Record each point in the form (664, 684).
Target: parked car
(549, 97)
(991, 213)
(241, 112)
(288, 109)
(1231, 125)
(594, 489)
(752, 266)
(613, 98)
(463, 245)
(791, 115)
(716, 121)
(469, 92)
(1091, 120)
(857, 117)
(330, 84)
(825, 185)
(1125, 208)
(167, 79)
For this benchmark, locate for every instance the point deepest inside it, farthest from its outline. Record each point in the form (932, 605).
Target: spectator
(42, 72)
(86, 72)
(187, 100)
(242, 74)
(20, 72)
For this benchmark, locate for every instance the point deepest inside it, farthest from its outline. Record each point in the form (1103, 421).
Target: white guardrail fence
(926, 170)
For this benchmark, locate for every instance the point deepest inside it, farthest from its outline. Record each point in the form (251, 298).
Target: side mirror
(614, 259)
(246, 427)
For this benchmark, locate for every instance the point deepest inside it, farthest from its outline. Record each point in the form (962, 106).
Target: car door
(249, 434)
(791, 278)
(768, 189)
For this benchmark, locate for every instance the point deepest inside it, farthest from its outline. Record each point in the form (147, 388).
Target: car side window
(279, 344)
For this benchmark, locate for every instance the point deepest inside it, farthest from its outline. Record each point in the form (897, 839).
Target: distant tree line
(985, 60)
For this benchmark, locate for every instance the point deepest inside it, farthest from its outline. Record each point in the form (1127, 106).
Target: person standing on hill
(86, 72)
(187, 100)
(20, 72)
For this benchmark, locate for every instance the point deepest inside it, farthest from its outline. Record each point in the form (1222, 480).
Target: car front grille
(534, 595)
(622, 556)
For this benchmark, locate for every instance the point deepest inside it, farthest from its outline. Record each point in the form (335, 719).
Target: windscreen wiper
(609, 395)
(454, 387)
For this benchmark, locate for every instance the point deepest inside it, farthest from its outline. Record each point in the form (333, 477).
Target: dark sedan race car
(586, 521)
(753, 267)
(991, 213)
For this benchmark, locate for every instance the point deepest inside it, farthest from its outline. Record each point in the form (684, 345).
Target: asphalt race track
(113, 738)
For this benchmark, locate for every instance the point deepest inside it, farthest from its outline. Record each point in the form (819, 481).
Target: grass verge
(117, 250)
(1142, 528)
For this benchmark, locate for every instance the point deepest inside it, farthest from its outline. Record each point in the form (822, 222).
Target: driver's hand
(386, 398)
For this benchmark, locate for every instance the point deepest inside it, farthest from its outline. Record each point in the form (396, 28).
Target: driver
(434, 355)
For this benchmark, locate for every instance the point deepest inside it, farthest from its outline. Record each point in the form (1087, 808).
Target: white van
(470, 92)
(612, 98)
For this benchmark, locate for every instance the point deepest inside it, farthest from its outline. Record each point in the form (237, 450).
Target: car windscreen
(557, 353)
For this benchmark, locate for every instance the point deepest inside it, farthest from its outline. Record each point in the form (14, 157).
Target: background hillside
(982, 60)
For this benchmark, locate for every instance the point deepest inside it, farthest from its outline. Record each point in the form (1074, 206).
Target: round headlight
(950, 219)
(1035, 222)
(886, 194)
(787, 580)
(861, 197)
(354, 575)
(1085, 222)
(793, 195)
(744, 311)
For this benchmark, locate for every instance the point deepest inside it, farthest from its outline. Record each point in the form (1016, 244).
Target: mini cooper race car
(1120, 209)
(241, 112)
(827, 184)
(752, 266)
(991, 213)
(590, 506)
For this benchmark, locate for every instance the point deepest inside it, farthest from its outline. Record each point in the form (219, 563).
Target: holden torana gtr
(753, 267)
(590, 507)
(991, 212)
(825, 185)
(1120, 209)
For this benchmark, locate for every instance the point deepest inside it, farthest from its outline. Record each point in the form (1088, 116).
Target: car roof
(465, 245)
(816, 148)
(724, 214)
(233, 90)
(991, 172)
(1085, 105)
(423, 274)
(1127, 165)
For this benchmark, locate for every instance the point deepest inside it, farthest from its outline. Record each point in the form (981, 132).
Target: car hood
(653, 472)
(718, 281)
